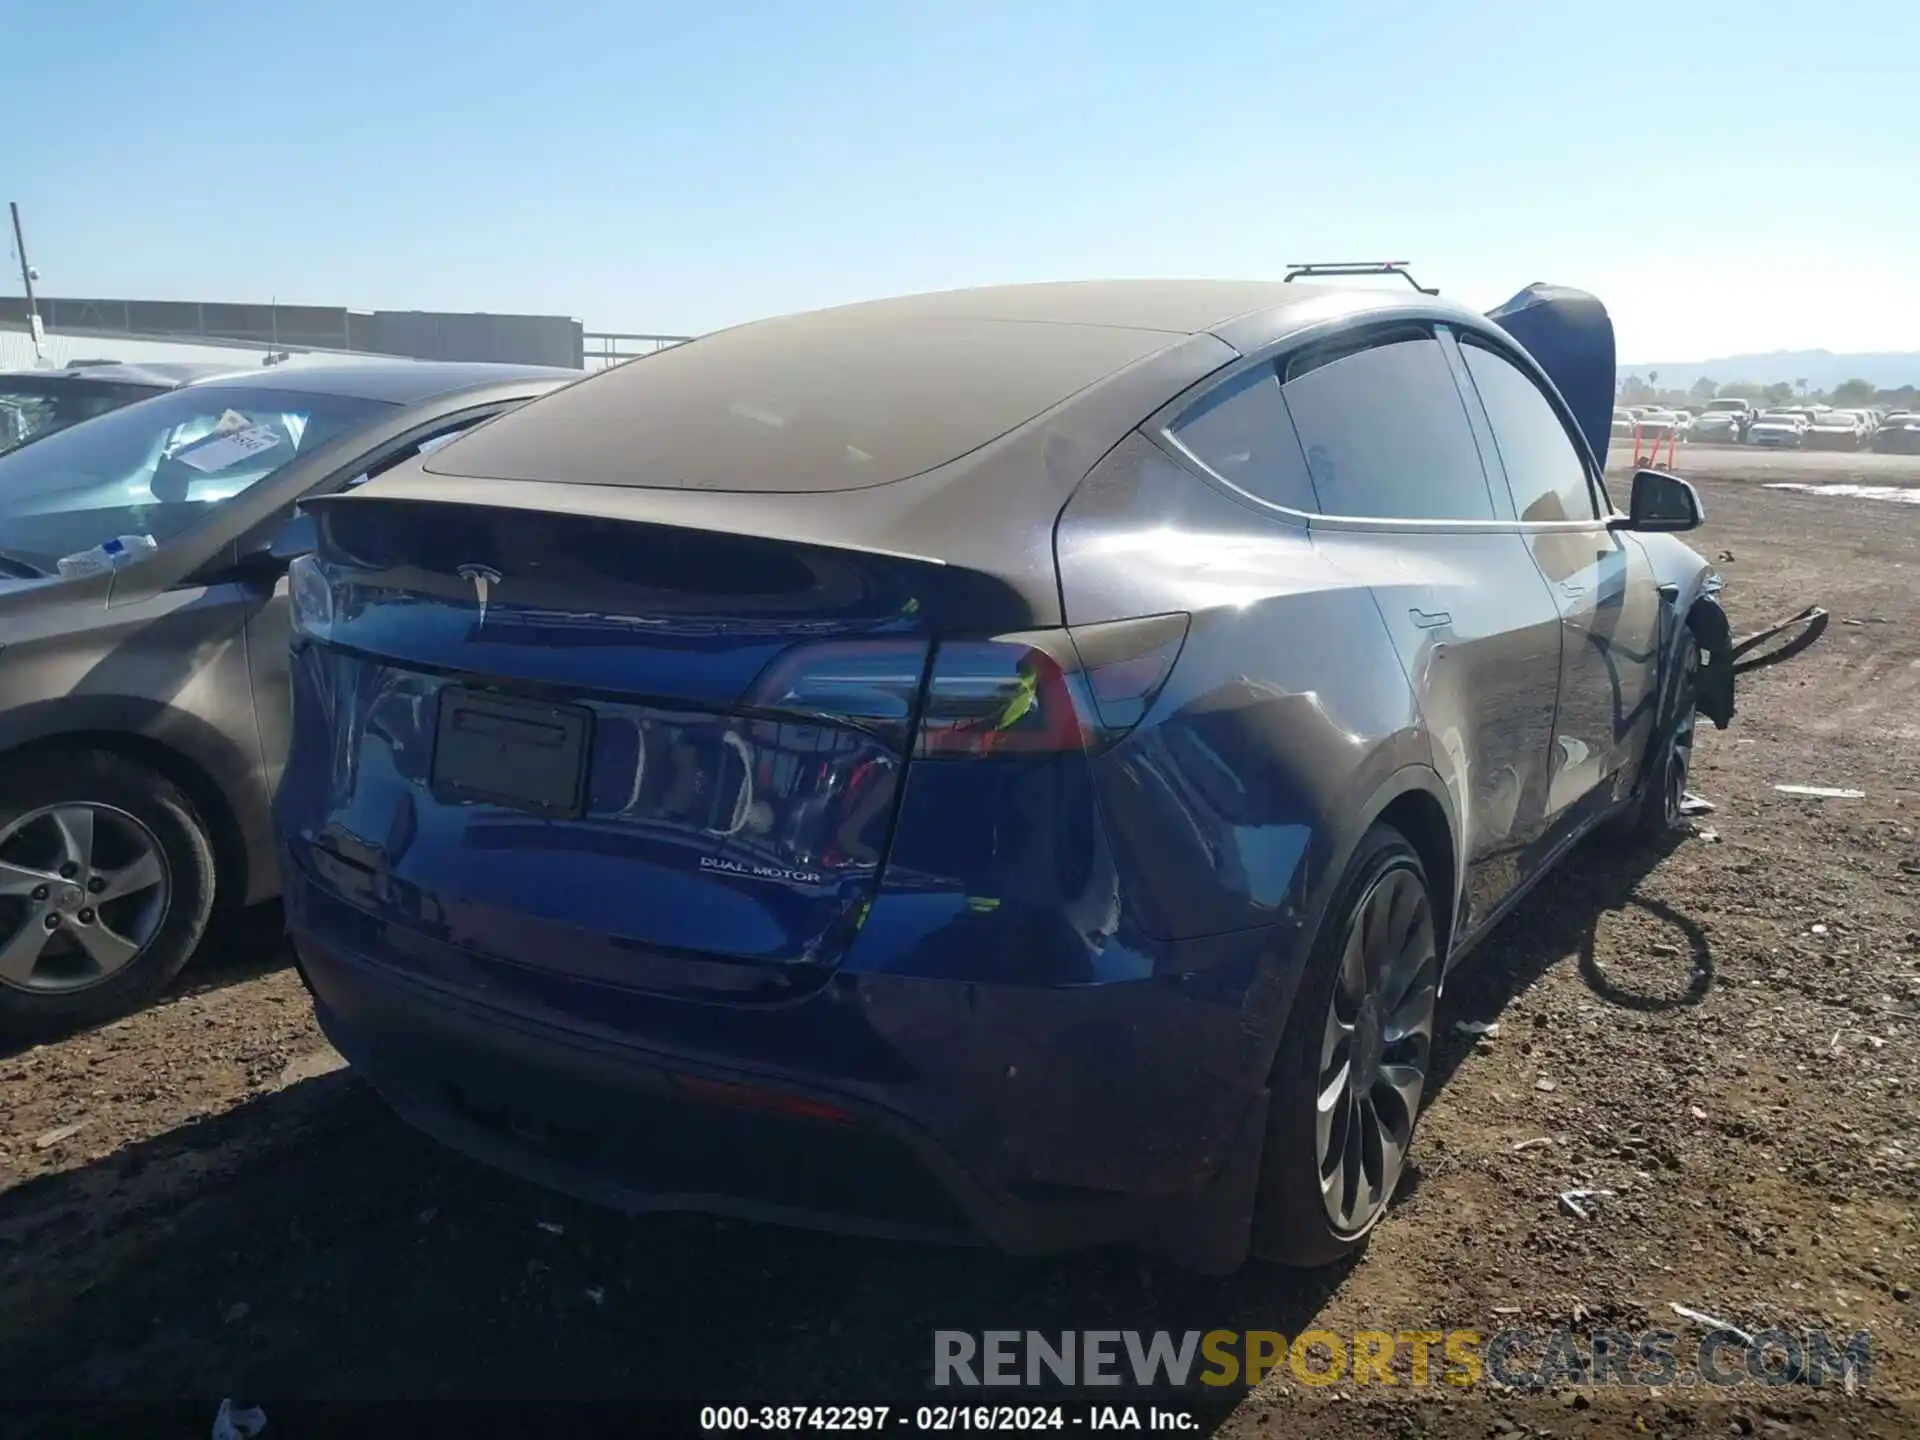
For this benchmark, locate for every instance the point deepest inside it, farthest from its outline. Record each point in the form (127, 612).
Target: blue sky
(1726, 177)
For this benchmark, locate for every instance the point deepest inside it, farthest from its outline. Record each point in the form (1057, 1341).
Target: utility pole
(26, 278)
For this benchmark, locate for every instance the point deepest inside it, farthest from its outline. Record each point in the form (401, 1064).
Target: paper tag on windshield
(230, 450)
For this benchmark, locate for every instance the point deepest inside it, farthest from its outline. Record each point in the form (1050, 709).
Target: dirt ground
(197, 1202)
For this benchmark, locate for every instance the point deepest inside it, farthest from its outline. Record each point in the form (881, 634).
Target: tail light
(1046, 691)
(1031, 693)
(870, 684)
(1126, 662)
(1014, 695)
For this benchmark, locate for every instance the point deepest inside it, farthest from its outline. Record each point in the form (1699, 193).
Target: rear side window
(1241, 432)
(1544, 470)
(1386, 435)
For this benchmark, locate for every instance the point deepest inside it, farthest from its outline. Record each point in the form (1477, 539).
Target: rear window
(833, 401)
(32, 405)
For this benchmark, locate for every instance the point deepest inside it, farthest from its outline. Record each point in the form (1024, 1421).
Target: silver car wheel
(1375, 1048)
(84, 888)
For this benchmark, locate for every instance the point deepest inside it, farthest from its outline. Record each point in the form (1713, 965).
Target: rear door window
(1241, 433)
(1544, 469)
(1385, 431)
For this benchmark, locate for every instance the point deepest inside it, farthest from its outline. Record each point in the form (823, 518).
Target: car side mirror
(1662, 502)
(296, 536)
(299, 536)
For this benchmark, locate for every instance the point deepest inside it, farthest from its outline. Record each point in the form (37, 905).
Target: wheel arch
(1419, 815)
(1411, 800)
(28, 734)
(1414, 800)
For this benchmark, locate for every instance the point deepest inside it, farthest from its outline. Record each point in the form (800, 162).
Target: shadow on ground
(1563, 917)
(241, 946)
(306, 1244)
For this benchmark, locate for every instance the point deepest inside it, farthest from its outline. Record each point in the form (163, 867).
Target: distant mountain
(1821, 369)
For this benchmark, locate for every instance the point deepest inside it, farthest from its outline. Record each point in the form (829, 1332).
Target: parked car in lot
(1622, 426)
(1659, 425)
(38, 402)
(1742, 411)
(1013, 762)
(1835, 430)
(143, 709)
(1715, 427)
(1776, 430)
(1899, 434)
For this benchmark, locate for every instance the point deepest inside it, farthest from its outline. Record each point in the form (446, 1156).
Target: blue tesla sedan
(1013, 763)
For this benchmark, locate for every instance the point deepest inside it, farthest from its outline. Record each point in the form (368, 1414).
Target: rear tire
(107, 881)
(1349, 1078)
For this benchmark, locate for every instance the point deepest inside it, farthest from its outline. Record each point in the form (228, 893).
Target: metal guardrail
(601, 348)
(60, 348)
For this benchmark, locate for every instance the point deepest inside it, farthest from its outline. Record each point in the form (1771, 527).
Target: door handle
(1430, 621)
(1570, 588)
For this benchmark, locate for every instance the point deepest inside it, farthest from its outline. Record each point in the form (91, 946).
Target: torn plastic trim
(1727, 657)
(1813, 618)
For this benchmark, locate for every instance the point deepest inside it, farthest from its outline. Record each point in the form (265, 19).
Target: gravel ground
(197, 1201)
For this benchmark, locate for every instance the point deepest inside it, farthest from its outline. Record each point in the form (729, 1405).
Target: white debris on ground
(1899, 494)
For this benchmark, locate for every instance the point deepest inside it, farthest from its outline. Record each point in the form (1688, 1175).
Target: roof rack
(1316, 270)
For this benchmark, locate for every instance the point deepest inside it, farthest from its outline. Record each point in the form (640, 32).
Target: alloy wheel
(84, 888)
(1375, 1048)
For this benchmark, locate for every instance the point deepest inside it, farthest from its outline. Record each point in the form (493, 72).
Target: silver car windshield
(158, 467)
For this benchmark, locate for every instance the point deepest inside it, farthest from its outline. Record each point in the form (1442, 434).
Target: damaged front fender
(1708, 627)
(1724, 658)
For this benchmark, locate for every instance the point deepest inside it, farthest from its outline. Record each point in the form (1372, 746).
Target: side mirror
(1661, 502)
(296, 536)
(300, 536)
